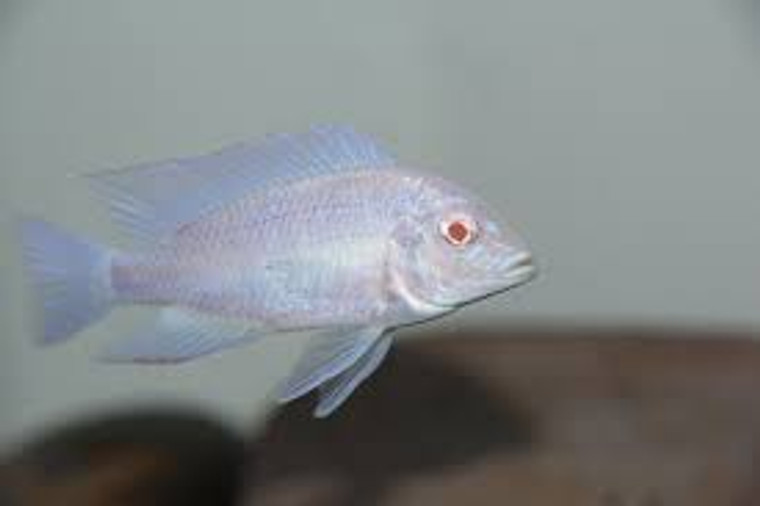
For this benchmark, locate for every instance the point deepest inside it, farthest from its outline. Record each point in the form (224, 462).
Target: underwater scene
(379, 253)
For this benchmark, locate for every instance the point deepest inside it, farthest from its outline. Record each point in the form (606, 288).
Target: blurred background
(621, 138)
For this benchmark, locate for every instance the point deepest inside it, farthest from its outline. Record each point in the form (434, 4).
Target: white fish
(321, 231)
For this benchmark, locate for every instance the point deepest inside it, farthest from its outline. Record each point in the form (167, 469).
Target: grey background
(621, 137)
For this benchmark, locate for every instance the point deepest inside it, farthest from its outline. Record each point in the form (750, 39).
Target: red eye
(457, 232)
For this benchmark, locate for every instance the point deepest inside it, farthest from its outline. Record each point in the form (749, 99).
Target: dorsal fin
(153, 199)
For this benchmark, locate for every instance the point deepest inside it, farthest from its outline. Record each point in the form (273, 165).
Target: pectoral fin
(329, 354)
(336, 390)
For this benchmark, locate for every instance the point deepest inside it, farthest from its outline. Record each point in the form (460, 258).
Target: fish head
(452, 250)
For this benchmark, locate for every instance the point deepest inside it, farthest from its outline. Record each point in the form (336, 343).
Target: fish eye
(458, 232)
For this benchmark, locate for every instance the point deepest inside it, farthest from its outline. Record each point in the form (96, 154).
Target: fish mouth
(520, 271)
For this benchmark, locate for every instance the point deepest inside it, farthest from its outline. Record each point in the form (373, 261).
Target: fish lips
(518, 271)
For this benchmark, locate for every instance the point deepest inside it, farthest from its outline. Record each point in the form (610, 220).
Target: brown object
(142, 457)
(532, 416)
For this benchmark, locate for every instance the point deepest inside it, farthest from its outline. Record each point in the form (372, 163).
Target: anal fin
(180, 335)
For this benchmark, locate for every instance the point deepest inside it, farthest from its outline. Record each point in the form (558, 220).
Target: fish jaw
(519, 272)
(405, 306)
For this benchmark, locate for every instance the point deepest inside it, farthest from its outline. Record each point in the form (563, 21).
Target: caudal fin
(70, 277)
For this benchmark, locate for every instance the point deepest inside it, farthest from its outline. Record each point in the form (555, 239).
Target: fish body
(310, 254)
(321, 231)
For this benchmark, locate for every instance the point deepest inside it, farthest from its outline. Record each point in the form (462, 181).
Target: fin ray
(69, 276)
(328, 354)
(179, 336)
(153, 199)
(336, 390)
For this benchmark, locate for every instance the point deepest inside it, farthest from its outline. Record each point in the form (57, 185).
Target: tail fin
(70, 277)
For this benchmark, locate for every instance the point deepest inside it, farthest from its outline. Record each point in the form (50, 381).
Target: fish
(322, 232)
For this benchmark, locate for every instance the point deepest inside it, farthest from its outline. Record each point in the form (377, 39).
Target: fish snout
(519, 268)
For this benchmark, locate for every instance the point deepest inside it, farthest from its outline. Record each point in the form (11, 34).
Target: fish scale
(315, 252)
(320, 231)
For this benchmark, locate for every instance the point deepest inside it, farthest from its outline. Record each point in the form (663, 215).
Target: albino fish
(321, 231)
